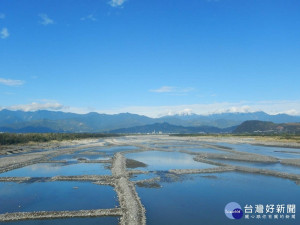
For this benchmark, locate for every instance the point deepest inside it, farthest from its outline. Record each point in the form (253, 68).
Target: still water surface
(157, 160)
(201, 199)
(60, 195)
(55, 169)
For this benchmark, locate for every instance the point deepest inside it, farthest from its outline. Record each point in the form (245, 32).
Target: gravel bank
(292, 162)
(59, 214)
(240, 157)
(208, 170)
(133, 210)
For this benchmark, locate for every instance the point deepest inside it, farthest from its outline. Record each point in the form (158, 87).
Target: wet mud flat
(130, 169)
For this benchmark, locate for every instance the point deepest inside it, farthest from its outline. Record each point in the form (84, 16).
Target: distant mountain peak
(186, 112)
(96, 122)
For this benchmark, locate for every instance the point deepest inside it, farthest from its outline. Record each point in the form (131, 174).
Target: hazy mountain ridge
(168, 128)
(56, 121)
(224, 120)
(255, 126)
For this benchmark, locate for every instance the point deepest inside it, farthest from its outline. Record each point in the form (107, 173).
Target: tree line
(14, 138)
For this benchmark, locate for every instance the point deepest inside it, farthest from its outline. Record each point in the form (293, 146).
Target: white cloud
(237, 109)
(90, 17)
(45, 20)
(270, 107)
(2, 16)
(184, 112)
(9, 82)
(34, 106)
(169, 89)
(164, 89)
(292, 112)
(116, 3)
(4, 33)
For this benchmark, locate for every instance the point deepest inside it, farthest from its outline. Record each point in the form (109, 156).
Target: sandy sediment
(131, 163)
(110, 182)
(118, 165)
(200, 159)
(83, 178)
(21, 160)
(149, 183)
(59, 214)
(51, 145)
(292, 162)
(133, 210)
(16, 149)
(235, 155)
(136, 150)
(264, 141)
(154, 179)
(222, 148)
(93, 152)
(295, 177)
(14, 162)
(95, 161)
(239, 157)
(292, 152)
(53, 161)
(9, 161)
(225, 167)
(294, 145)
(268, 172)
(208, 170)
(132, 172)
(14, 179)
(98, 179)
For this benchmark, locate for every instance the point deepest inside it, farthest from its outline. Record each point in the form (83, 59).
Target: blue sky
(152, 57)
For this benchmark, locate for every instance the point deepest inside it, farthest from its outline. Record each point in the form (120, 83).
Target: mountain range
(263, 127)
(169, 128)
(56, 121)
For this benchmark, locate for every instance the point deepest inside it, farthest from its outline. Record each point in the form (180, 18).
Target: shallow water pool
(157, 160)
(56, 169)
(59, 195)
(200, 200)
(278, 152)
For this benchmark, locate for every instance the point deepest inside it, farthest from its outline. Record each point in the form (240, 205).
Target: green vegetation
(12, 138)
(264, 127)
(290, 137)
